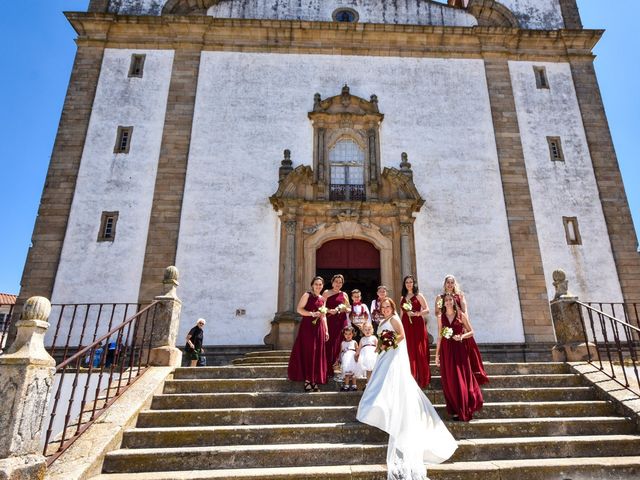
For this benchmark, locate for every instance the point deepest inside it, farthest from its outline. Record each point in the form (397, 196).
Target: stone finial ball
(171, 274)
(36, 308)
(559, 276)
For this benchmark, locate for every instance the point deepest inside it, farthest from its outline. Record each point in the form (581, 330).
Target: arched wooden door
(357, 260)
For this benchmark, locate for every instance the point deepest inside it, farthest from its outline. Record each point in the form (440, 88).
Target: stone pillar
(167, 321)
(405, 248)
(283, 326)
(166, 209)
(290, 266)
(26, 377)
(98, 6)
(615, 207)
(527, 259)
(50, 227)
(570, 340)
(570, 14)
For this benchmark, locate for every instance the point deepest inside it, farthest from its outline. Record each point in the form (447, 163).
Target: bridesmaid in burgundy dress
(461, 389)
(337, 318)
(414, 306)
(451, 286)
(308, 361)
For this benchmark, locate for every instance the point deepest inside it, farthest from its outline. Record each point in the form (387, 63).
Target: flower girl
(348, 351)
(367, 356)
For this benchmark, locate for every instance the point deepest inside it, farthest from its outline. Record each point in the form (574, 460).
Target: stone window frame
(572, 230)
(108, 222)
(346, 116)
(136, 67)
(338, 11)
(556, 153)
(123, 139)
(542, 79)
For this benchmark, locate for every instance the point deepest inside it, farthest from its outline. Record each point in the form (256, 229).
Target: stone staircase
(246, 421)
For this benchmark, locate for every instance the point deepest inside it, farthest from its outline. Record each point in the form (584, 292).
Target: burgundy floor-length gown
(336, 323)
(461, 389)
(308, 358)
(477, 366)
(417, 343)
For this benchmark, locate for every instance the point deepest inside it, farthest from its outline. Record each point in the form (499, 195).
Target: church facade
(255, 143)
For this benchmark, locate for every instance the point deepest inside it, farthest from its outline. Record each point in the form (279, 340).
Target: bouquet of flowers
(407, 307)
(386, 340)
(341, 308)
(439, 303)
(323, 310)
(446, 332)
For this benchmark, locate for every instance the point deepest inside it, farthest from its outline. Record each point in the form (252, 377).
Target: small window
(108, 227)
(137, 65)
(541, 77)
(347, 15)
(123, 140)
(572, 231)
(555, 149)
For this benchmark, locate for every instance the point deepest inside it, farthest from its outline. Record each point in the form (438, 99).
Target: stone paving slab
(256, 456)
(335, 397)
(591, 468)
(354, 432)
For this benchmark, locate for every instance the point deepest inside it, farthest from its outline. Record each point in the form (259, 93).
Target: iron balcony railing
(342, 192)
(614, 339)
(92, 378)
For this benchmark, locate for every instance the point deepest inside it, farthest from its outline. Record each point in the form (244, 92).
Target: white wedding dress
(394, 402)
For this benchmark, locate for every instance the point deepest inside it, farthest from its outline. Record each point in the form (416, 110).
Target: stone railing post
(570, 345)
(26, 378)
(166, 324)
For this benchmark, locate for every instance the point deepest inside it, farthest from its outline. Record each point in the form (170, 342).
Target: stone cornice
(209, 33)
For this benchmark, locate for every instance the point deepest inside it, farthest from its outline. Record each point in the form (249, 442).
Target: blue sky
(37, 56)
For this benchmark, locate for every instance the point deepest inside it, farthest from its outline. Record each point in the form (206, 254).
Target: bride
(394, 403)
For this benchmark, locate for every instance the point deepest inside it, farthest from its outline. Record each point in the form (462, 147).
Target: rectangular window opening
(555, 149)
(541, 77)
(572, 231)
(108, 227)
(123, 140)
(137, 65)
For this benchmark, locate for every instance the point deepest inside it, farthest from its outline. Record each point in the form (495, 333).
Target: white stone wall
(531, 14)
(250, 107)
(414, 12)
(563, 188)
(536, 14)
(92, 271)
(136, 7)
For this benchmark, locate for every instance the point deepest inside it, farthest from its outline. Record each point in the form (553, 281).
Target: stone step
(280, 371)
(292, 399)
(354, 432)
(582, 468)
(262, 360)
(268, 353)
(214, 385)
(337, 414)
(282, 455)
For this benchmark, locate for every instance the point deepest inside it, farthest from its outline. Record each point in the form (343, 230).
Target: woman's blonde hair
(456, 287)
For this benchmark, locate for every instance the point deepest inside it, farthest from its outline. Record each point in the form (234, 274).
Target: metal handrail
(623, 344)
(122, 365)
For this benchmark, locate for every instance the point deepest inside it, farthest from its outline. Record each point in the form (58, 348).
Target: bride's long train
(394, 403)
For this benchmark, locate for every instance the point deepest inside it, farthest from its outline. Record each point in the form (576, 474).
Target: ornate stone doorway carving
(310, 216)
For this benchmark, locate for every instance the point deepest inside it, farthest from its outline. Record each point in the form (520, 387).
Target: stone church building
(255, 143)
